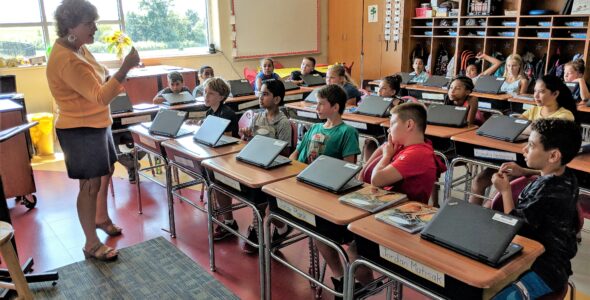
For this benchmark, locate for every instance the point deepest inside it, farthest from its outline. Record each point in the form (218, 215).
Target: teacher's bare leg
(102, 219)
(87, 209)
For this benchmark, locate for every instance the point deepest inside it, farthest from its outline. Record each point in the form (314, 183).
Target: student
(472, 69)
(216, 91)
(406, 163)
(267, 66)
(205, 72)
(388, 87)
(515, 81)
(459, 94)
(272, 123)
(337, 75)
(573, 71)
(307, 67)
(420, 75)
(553, 100)
(548, 206)
(334, 137)
(175, 86)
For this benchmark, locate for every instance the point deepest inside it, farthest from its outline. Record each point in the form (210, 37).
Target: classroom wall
(32, 81)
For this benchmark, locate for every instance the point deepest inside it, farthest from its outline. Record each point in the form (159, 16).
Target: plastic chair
(250, 75)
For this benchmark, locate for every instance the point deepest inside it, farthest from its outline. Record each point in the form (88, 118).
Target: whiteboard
(275, 27)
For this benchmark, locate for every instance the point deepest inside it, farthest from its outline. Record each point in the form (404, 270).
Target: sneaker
(252, 237)
(219, 233)
(339, 287)
(132, 177)
(276, 236)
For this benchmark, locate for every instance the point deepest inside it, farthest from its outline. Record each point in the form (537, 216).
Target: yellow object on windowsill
(117, 42)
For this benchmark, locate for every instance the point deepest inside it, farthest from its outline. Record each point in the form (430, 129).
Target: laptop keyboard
(279, 160)
(351, 183)
(224, 139)
(183, 131)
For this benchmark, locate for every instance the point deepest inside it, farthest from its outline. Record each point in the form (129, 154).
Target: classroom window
(157, 27)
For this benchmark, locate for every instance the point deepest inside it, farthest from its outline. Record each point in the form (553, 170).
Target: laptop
(437, 81)
(447, 115)
(313, 79)
(504, 128)
(168, 123)
(487, 238)
(489, 84)
(264, 152)
(290, 86)
(331, 174)
(211, 133)
(406, 77)
(312, 97)
(121, 104)
(573, 86)
(240, 87)
(375, 106)
(180, 98)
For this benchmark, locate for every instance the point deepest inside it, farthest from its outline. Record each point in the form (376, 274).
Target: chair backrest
(585, 132)
(250, 75)
(246, 119)
(517, 185)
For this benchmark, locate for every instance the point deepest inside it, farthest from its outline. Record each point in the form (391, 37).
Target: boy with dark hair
(307, 67)
(175, 86)
(547, 205)
(334, 137)
(205, 72)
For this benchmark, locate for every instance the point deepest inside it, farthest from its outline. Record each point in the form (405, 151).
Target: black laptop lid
(406, 77)
(573, 86)
(488, 84)
(375, 106)
(313, 79)
(473, 230)
(290, 86)
(437, 81)
(262, 150)
(329, 173)
(447, 115)
(312, 97)
(168, 122)
(180, 98)
(121, 104)
(503, 127)
(211, 130)
(240, 87)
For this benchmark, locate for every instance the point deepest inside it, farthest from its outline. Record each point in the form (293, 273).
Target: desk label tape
(357, 125)
(433, 96)
(307, 114)
(197, 114)
(293, 97)
(413, 266)
(227, 181)
(184, 162)
(248, 104)
(494, 154)
(296, 212)
(135, 120)
(527, 106)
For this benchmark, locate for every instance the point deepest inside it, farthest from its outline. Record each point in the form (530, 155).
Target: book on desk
(411, 216)
(372, 199)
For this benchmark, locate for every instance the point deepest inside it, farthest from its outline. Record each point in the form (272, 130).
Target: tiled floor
(51, 234)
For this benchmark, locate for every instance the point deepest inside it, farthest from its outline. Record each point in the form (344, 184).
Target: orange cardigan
(77, 82)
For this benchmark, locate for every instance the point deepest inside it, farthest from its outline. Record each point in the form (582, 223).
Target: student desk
(581, 166)
(317, 214)
(186, 155)
(430, 267)
(520, 103)
(470, 144)
(142, 84)
(303, 112)
(152, 144)
(243, 103)
(440, 135)
(584, 114)
(242, 182)
(121, 121)
(436, 94)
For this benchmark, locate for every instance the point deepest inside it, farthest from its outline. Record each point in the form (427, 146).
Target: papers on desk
(372, 199)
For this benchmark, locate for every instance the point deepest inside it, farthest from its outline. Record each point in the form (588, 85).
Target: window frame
(45, 24)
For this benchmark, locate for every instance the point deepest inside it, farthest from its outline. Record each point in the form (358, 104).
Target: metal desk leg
(137, 178)
(170, 199)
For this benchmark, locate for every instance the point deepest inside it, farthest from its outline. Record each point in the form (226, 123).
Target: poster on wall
(581, 7)
(373, 14)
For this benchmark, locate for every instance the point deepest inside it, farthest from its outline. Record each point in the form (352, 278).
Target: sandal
(101, 252)
(109, 228)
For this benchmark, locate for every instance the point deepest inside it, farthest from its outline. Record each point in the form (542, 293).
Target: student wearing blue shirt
(420, 75)
(337, 75)
(267, 66)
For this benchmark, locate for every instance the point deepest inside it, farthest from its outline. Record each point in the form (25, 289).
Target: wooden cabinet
(344, 33)
(142, 84)
(544, 36)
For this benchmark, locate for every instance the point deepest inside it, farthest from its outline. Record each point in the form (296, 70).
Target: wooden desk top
(442, 259)
(144, 132)
(470, 137)
(153, 71)
(522, 100)
(250, 175)
(581, 163)
(200, 152)
(374, 82)
(141, 112)
(583, 108)
(8, 105)
(441, 131)
(309, 106)
(240, 99)
(314, 200)
(419, 87)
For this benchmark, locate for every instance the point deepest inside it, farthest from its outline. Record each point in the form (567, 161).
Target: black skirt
(88, 152)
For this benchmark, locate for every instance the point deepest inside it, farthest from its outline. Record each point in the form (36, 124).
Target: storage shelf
(535, 27)
(427, 27)
(567, 39)
(569, 27)
(474, 27)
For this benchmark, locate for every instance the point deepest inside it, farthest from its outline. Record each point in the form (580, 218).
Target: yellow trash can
(42, 134)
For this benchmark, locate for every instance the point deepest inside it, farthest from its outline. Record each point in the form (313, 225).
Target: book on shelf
(411, 216)
(372, 199)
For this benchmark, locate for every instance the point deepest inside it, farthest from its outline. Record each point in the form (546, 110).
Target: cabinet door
(372, 39)
(344, 34)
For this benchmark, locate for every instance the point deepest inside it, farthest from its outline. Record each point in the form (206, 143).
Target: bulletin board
(263, 28)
